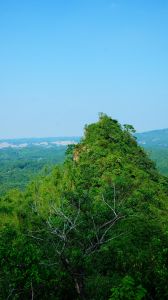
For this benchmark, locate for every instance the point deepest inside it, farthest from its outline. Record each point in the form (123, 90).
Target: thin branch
(95, 229)
(35, 237)
(10, 294)
(113, 210)
(106, 231)
(102, 240)
(111, 221)
(114, 196)
(61, 214)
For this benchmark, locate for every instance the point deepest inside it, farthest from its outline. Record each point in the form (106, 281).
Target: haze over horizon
(62, 62)
(68, 136)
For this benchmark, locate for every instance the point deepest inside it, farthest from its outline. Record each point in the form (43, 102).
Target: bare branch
(95, 229)
(10, 294)
(106, 231)
(111, 221)
(114, 196)
(61, 214)
(113, 209)
(35, 237)
(94, 246)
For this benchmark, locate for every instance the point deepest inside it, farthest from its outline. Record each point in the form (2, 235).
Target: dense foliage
(160, 157)
(95, 228)
(19, 166)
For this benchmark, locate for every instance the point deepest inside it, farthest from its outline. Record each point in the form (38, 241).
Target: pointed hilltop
(95, 228)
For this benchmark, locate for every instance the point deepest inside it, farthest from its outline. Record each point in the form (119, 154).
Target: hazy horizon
(62, 62)
(68, 136)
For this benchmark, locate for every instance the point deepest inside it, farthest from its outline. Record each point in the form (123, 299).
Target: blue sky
(63, 61)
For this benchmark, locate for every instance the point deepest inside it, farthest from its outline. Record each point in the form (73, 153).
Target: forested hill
(155, 138)
(156, 144)
(21, 160)
(95, 228)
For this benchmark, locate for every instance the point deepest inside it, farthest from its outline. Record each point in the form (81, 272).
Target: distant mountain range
(38, 142)
(155, 138)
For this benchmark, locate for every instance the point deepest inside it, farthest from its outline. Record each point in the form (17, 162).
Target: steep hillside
(95, 229)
